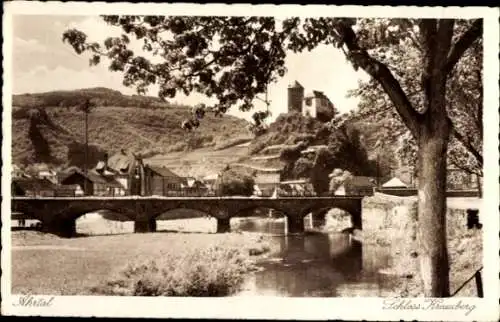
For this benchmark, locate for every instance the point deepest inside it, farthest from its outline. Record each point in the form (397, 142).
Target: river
(321, 264)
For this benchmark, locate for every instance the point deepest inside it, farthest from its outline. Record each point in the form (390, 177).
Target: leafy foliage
(229, 58)
(337, 178)
(234, 183)
(464, 103)
(213, 271)
(343, 149)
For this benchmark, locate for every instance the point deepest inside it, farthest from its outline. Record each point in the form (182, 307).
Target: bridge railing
(65, 192)
(285, 193)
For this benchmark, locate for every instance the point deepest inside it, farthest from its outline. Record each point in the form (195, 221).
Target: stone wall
(392, 221)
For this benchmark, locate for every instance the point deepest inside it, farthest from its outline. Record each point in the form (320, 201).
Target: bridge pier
(61, 227)
(295, 224)
(145, 225)
(223, 225)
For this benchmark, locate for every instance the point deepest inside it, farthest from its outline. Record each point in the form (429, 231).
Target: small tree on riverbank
(233, 183)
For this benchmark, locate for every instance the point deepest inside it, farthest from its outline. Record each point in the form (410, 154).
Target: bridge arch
(318, 215)
(121, 213)
(253, 211)
(180, 213)
(173, 219)
(103, 222)
(259, 218)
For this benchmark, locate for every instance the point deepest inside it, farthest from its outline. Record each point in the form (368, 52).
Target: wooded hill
(49, 127)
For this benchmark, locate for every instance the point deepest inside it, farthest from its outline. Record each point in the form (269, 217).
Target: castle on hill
(314, 104)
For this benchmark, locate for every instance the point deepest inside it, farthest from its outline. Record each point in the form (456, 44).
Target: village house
(48, 174)
(356, 186)
(210, 180)
(93, 183)
(126, 169)
(194, 187)
(161, 181)
(137, 178)
(17, 172)
(33, 187)
(266, 181)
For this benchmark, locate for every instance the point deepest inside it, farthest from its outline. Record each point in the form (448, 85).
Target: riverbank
(47, 264)
(391, 221)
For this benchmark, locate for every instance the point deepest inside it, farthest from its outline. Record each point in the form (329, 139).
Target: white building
(316, 102)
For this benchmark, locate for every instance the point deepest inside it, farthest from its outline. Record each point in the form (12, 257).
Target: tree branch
(467, 145)
(384, 76)
(459, 165)
(462, 44)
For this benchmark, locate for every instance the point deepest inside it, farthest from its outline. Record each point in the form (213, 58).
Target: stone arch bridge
(58, 214)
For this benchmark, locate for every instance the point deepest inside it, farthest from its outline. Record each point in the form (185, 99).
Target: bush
(208, 272)
(233, 183)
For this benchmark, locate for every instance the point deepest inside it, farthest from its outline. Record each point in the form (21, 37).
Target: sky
(42, 63)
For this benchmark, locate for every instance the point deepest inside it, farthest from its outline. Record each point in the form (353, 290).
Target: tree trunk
(434, 264)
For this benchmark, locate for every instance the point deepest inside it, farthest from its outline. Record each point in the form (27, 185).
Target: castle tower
(295, 97)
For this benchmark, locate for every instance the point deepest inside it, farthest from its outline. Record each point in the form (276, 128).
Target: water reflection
(325, 264)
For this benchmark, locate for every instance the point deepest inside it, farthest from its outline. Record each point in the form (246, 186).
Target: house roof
(163, 171)
(122, 162)
(395, 183)
(95, 177)
(315, 94)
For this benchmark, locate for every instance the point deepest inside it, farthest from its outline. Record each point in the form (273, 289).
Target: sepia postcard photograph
(250, 161)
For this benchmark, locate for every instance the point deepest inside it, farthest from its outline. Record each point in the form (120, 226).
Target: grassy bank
(141, 264)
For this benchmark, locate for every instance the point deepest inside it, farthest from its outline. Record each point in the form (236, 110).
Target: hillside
(100, 95)
(358, 148)
(288, 129)
(55, 134)
(48, 128)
